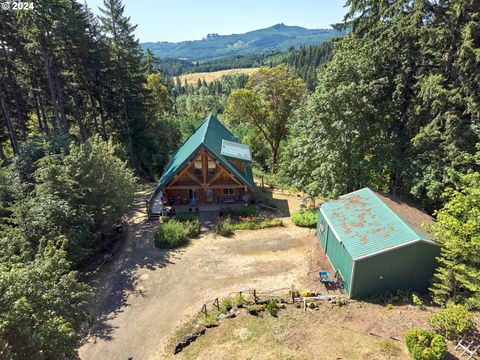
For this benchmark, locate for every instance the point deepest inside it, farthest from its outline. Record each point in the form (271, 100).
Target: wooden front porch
(207, 180)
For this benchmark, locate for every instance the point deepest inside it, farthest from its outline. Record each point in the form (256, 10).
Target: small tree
(458, 230)
(268, 102)
(92, 179)
(453, 321)
(43, 306)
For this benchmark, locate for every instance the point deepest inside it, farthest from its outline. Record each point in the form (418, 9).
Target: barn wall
(407, 268)
(336, 252)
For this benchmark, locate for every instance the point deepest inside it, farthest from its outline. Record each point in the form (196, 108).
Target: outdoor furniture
(468, 347)
(324, 277)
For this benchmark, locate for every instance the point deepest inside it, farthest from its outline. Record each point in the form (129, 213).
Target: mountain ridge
(278, 37)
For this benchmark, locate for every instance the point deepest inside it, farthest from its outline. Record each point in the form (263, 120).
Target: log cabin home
(211, 166)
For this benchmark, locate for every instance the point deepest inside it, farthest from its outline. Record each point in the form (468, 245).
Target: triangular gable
(209, 135)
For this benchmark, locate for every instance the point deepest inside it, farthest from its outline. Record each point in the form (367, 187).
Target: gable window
(197, 167)
(228, 191)
(212, 167)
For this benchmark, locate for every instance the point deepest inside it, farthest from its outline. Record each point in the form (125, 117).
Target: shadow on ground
(115, 280)
(265, 196)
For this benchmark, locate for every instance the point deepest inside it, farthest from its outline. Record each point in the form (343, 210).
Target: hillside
(191, 79)
(275, 38)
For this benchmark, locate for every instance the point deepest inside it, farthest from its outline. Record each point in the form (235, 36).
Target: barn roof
(368, 222)
(209, 135)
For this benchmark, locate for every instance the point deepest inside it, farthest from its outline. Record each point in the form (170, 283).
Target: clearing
(145, 293)
(145, 296)
(214, 75)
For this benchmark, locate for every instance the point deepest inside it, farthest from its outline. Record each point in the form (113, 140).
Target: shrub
(417, 301)
(255, 223)
(425, 345)
(171, 234)
(193, 227)
(186, 216)
(225, 305)
(305, 218)
(453, 321)
(389, 346)
(249, 210)
(239, 300)
(223, 227)
(389, 306)
(209, 319)
(254, 309)
(272, 307)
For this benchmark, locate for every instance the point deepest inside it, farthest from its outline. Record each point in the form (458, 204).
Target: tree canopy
(267, 103)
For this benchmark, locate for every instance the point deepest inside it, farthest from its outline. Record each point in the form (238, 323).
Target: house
(212, 166)
(376, 243)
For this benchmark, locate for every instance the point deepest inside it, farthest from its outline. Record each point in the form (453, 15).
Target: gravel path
(145, 293)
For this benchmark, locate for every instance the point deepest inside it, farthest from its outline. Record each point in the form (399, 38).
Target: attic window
(212, 167)
(197, 167)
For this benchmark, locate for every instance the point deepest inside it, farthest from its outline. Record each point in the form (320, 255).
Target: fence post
(254, 296)
(204, 309)
(216, 304)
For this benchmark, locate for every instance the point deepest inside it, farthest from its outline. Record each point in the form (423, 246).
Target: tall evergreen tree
(458, 230)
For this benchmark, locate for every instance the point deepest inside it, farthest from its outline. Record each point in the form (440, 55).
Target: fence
(253, 294)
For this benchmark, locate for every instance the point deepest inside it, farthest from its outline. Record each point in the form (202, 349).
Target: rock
(282, 306)
(230, 316)
(200, 330)
(243, 311)
(211, 325)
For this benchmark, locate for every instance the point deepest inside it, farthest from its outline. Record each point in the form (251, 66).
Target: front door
(192, 197)
(209, 197)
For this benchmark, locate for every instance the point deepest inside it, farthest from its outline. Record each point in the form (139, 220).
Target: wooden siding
(196, 176)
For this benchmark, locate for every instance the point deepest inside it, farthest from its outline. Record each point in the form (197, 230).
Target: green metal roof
(366, 225)
(209, 135)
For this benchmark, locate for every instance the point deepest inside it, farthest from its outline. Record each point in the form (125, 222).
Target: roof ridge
(396, 215)
(207, 119)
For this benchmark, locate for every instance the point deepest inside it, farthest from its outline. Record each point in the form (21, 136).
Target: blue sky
(177, 20)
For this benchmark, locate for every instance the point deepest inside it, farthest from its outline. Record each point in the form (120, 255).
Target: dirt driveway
(145, 293)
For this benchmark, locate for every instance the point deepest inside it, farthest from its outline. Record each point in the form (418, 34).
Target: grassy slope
(293, 335)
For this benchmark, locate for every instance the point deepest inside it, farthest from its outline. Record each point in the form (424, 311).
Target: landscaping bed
(172, 233)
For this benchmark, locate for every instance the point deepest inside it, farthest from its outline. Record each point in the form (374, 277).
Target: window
(228, 191)
(212, 167)
(197, 167)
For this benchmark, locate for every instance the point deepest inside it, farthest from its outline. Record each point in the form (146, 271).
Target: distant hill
(279, 37)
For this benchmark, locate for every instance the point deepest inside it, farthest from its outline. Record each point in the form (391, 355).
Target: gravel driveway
(145, 293)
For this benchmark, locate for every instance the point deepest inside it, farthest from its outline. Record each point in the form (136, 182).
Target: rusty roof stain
(368, 221)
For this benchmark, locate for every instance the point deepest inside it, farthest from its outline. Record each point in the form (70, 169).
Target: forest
(86, 116)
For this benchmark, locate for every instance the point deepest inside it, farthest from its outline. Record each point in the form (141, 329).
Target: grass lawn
(292, 335)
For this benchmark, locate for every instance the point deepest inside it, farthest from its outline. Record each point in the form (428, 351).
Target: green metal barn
(376, 243)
